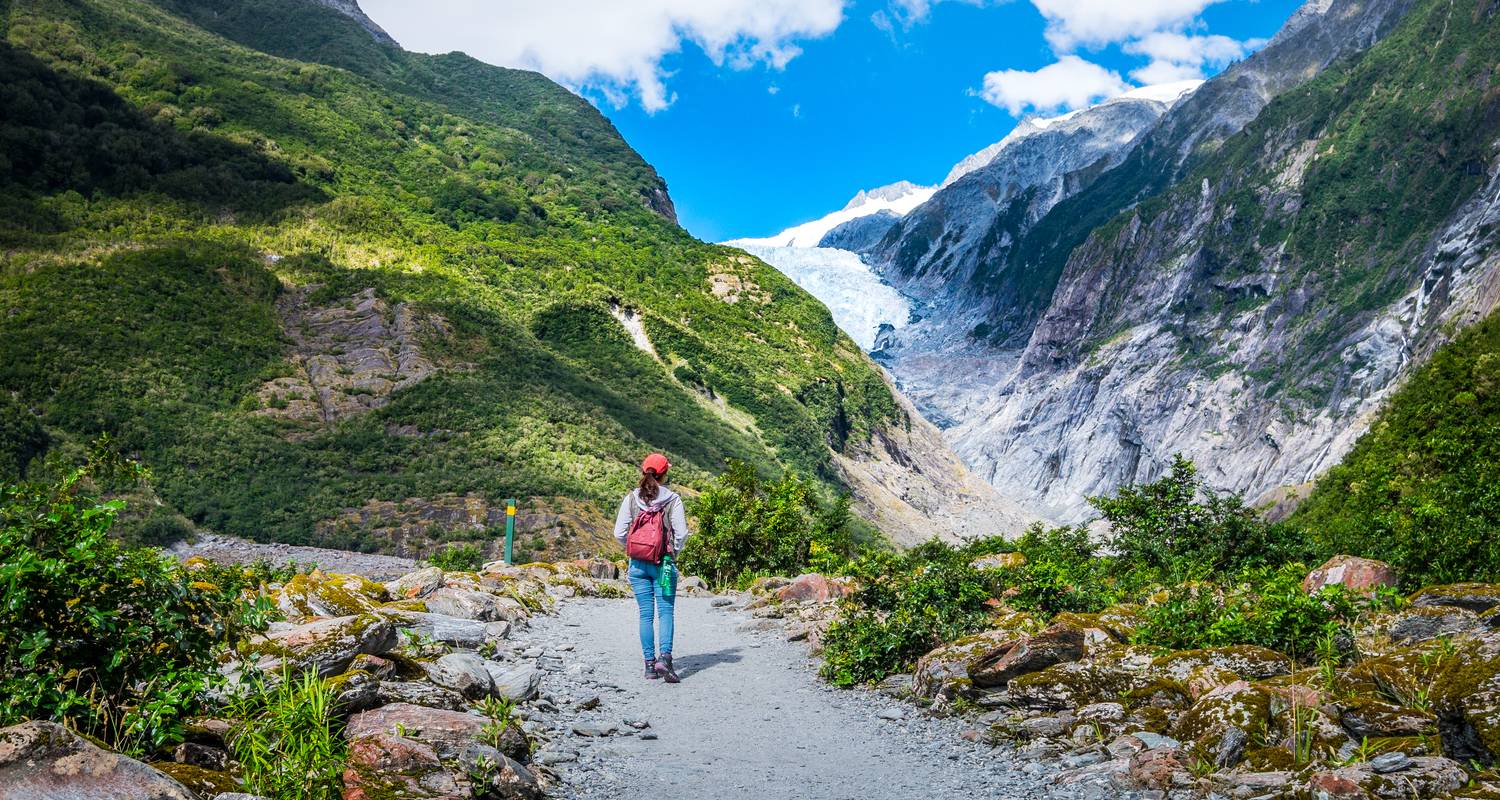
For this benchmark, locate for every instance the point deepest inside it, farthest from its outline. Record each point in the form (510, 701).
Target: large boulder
(812, 588)
(1059, 643)
(1371, 718)
(1362, 575)
(1247, 661)
(45, 761)
(464, 673)
(1424, 623)
(317, 594)
(474, 604)
(1475, 597)
(518, 683)
(451, 734)
(416, 585)
(418, 693)
(383, 764)
(1466, 698)
(1416, 778)
(449, 630)
(1238, 705)
(326, 646)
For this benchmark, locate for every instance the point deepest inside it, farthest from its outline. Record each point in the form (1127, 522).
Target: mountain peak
(891, 192)
(351, 9)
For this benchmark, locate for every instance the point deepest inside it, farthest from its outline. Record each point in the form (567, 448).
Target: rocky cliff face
(351, 9)
(1245, 286)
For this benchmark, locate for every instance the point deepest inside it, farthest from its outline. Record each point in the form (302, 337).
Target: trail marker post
(510, 530)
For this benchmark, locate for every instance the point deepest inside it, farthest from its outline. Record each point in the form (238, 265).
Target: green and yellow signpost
(510, 530)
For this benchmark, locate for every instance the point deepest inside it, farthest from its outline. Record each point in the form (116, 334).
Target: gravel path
(749, 720)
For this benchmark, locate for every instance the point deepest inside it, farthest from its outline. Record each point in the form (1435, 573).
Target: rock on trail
(750, 719)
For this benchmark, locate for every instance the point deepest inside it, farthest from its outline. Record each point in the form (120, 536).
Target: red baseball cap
(657, 463)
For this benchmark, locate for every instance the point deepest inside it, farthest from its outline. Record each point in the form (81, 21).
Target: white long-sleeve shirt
(676, 516)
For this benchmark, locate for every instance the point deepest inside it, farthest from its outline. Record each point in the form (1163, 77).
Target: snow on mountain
(859, 301)
(899, 198)
(1165, 93)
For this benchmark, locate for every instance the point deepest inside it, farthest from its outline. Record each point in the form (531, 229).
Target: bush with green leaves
(286, 739)
(749, 526)
(114, 641)
(905, 606)
(458, 558)
(1165, 527)
(1265, 607)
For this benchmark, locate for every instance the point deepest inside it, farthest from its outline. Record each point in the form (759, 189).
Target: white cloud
(1178, 56)
(1083, 23)
(613, 46)
(1065, 85)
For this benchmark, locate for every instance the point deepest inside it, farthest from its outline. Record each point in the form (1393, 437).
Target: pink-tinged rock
(1157, 769)
(45, 761)
(811, 588)
(452, 734)
(1360, 575)
(384, 764)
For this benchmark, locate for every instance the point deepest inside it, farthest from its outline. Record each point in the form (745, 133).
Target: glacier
(860, 302)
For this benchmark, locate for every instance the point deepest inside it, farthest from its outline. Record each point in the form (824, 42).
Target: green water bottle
(668, 579)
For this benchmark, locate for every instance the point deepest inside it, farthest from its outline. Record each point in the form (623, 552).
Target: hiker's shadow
(693, 664)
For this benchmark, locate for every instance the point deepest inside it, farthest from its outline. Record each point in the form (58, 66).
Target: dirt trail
(749, 720)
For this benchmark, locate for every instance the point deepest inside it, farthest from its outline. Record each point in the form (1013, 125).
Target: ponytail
(650, 483)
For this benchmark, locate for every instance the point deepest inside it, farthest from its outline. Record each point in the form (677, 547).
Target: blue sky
(762, 114)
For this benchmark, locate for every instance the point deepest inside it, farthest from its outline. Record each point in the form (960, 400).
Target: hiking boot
(651, 670)
(664, 669)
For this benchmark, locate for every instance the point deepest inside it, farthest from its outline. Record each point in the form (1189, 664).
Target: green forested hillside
(187, 210)
(1422, 488)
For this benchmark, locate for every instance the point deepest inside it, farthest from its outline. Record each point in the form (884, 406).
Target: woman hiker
(652, 526)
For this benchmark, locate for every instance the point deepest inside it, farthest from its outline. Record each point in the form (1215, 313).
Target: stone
(316, 594)
(891, 714)
(45, 761)
(465, 673)
(1361, 575)
(811, 588)
(1386, 763)
(418, 693)
(1230, 749)
(721, 602)
(1423, 777)
(768, 584)
(377, 667)
(549, 758)
(1424, 623)
(354, 691)
(1057, 644)
(451, 734)
(1465, 696)
(692, 584)
(1155, 741)
(382, 764)
(594, 729)
(1044, 727)
(475, 605)
(327, 646)
(198, 780)
(1475, 597)
(1372, 718)
(1238, 705)
(200, 755)
(1070, 685)
(465, 633)
(999, 561)
(1102, 712)
(238, 796)
(1156, 768)
(416, 585)
(517, 683)
(1246, 661)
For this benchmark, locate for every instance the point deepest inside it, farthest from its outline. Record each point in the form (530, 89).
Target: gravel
(750, 719)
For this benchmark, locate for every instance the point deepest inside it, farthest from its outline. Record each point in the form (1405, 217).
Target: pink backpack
(647, 540)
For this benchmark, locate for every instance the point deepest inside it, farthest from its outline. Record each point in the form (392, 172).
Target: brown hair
(650, 483)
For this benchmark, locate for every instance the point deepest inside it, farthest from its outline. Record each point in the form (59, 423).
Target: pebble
(721, 602)
(1390, 762)
(593, 729)
(892, 714)
(649, 736)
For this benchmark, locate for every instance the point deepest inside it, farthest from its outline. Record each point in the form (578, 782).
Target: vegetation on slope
(1422, 487)
(166, 187)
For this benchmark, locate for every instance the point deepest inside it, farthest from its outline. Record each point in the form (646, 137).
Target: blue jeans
(643, 579)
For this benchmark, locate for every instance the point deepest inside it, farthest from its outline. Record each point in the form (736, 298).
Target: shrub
(458, 558)
(749, 526)
(905, 606)
(114, 641)
(284, 738)
(21, 438)
(1266, 607)
(1165, 527)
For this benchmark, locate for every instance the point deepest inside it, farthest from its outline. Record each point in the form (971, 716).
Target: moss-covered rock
(416, 585)
(1424, 623)
(327, 646)
(205, 782)
(1466, 698)
(1374, 718)
(1239, 705)
(1068, 685)
(316, 594)
(945, 670)
(1160, 693)
(1475, 597)
(1247, 661)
